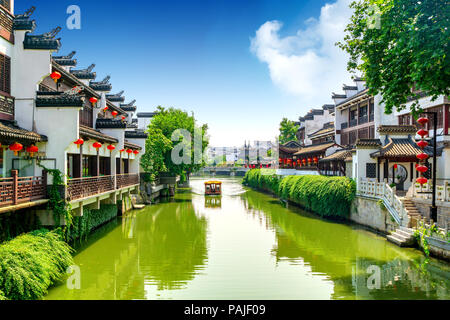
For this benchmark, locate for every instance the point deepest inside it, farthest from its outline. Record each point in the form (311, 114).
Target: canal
(245, 245)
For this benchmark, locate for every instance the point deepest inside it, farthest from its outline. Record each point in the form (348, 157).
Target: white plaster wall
(6, 48)
(362, 157)
(143, 123)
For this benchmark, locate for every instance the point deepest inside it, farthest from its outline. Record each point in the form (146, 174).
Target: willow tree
(164, 145)
(401, 47)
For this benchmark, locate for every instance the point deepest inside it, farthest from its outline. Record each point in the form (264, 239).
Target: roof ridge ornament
(52, 34)
(68, 57)
(130, 104)
(74, 91)
(27, 13)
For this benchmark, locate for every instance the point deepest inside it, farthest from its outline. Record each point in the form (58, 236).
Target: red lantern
(421, 180)
(267, 166)
(123, 118)
(422, 144)
(123, 150)
(422, 132)
(395, 166)
(32, 150)
(423, 121)
(422, 156)
(79, 142)
(105, 109)
(55, 76)
(136, 152)
(280, 160)
(114, 113)
(16, 147)
(309, 160)
(93, 100)
(422, 169)
(111, 147)
(304, 161)
(245, 166)
(316, 160)
(129, 151)
(97, 145)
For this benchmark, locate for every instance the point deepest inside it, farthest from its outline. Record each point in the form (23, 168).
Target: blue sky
(198, 56)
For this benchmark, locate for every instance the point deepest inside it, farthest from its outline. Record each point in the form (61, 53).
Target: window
(363, 111)
(5, 73)
(371, 170)
(352, 137)
(353, 114)
(86, 116)
(6, 4)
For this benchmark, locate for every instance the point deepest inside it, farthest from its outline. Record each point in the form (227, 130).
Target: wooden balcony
(81, 188)
(19, 190)
(126, 180)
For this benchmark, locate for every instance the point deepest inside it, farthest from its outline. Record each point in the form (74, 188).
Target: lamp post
(433, 208)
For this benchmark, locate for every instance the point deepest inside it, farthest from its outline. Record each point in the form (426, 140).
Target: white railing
(424, 191)
(381, 190)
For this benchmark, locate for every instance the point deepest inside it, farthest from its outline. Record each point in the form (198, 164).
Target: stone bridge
(225, 171)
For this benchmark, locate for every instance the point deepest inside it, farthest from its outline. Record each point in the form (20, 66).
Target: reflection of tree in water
(336, 250)
(172, 244)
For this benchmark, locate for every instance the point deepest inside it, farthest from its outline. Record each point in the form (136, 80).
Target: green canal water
(246, 245)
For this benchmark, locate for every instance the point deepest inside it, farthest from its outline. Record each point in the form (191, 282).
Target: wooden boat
(213, 188)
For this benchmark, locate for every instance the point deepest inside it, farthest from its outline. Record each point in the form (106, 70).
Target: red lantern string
(32, 150)
(422, 156)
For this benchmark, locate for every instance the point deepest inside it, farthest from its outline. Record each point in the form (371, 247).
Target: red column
(446, 115)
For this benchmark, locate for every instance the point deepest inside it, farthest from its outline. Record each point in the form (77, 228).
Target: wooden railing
(424, 191)
(381, 190)
(126, 180)
(18, 190)
(80, 188)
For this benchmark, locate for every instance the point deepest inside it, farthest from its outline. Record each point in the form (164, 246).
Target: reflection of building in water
(345, 255)
(213, 202)
(373, 280)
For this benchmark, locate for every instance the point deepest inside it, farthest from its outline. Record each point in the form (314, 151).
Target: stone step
(400, 240)
(405, 234)
(407, 230)
(392, 238)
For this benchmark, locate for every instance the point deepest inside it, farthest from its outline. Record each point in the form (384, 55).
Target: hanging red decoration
(422, 144)
(422, 180)
(422, 121)
(123, 118)
(93, 101)
(422, 156)
(32, 150)
(114, 113)
(316, 160)
(309, 160)
(129, 151)
(395, 166)
(97, 145)
(16, 147)
(79, 142)
(123, 150)
(245, 166)
(267, 166)
(111, 147)
(280, 160)
(136, 152)
(55, 76)
(422, 132)
(304, 161)
(422, 168)
(105, 109)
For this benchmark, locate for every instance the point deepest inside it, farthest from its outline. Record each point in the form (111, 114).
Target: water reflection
(361, 265)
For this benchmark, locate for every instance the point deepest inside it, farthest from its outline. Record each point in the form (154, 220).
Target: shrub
(326, 196)
(91, 220)
(31, 263)
(264, 180)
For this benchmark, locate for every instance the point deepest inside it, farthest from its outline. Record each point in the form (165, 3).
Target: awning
(96, 135)
(403, 148)
(10, 132)
(340, 155)
(319, 148)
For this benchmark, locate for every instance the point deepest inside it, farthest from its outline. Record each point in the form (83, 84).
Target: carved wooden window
(5, 74)
(86, 116)
(371, 170)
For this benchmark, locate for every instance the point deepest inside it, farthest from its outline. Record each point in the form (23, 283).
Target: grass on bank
(329, 197)
(31, 263)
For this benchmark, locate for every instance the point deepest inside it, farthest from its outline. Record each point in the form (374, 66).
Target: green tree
(288, 131)
(159, 145)
(400, 45)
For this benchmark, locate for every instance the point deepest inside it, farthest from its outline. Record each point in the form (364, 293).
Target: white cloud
(307, 64)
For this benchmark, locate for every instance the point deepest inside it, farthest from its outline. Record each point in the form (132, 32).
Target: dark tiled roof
(130, 145)
(401, 148)
(368, 143)
(316, 148)
(132, 125)
(10, 132)
(110, 124)
(146, 114)
(288, 150)
(339, 155)
(346, 87)
(397, 129)
(56, 99)
(45, 41)
(117, 97)
(66, 61)
(357, 95)
(129, 106)
(338, 96)
(136, 134)
(85, 74)
(328, 107)
(22, 21)
(324, 131)
(96, 135)
(103, 85)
